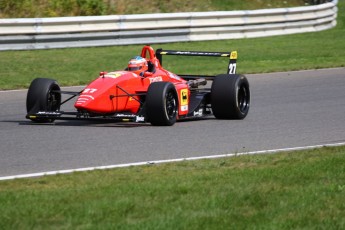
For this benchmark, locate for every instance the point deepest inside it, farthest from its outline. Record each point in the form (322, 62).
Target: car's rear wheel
(43, 95)
(230, 96)
(162, 104)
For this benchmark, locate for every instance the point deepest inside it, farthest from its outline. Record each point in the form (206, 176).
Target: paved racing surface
(287, 110)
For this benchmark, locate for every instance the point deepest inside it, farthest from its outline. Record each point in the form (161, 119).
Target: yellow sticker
(184, 96)
(131, 98)
(113, 74)
(233, 55)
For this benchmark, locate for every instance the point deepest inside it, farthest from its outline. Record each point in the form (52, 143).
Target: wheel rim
(243, 98)
(170, 106)
(53, 101)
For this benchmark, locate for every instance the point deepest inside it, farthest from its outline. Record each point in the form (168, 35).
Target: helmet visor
(134, 68)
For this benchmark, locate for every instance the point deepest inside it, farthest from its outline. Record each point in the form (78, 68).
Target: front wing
(199, 108)
(61, 115)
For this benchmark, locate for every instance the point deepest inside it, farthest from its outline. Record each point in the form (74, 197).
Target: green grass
(292, 190)
(258, 55)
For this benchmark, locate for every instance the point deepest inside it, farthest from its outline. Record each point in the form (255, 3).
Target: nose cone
(98, 96)
(94, 100)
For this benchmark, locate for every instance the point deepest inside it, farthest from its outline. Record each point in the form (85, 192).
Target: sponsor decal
(184, 108)
(49, 113)
(140, 119)
(198, 113)
(197, 53)
(233, 55)
(124, 115)
(84, 98)
(81, 97)
(171, 75)
(155, 79)
(184, 96)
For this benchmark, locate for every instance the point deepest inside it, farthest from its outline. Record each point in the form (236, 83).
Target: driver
(138, 65)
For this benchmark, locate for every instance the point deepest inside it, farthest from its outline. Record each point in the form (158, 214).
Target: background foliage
(59, 8)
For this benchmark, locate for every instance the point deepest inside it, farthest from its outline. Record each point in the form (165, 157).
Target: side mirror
(101, 74)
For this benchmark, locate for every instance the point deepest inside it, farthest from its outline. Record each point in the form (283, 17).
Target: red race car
(146, 92)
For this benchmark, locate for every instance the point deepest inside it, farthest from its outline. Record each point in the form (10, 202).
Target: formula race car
(146, 92)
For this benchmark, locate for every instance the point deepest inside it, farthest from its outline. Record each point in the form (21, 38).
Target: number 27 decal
(89, 90)
(232, 68)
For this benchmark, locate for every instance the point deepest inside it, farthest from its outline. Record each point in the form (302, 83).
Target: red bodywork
(120, 91)
(147, 94)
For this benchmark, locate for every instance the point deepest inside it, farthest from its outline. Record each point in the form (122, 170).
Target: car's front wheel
(162, 104)
(43, 95)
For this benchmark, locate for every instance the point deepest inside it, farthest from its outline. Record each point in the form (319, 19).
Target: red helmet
(137, 64)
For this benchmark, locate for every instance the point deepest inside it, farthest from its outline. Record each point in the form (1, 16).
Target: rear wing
(231, 55)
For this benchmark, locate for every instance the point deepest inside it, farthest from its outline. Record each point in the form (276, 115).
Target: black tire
(162, 104)
(230, 96)
(42, 96)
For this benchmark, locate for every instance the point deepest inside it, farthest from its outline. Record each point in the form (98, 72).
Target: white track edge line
(67, 171)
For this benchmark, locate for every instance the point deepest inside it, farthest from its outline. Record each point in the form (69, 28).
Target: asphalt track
(291, 109)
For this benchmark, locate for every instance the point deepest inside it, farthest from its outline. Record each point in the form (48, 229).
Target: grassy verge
(79, 66)
(293, 190)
